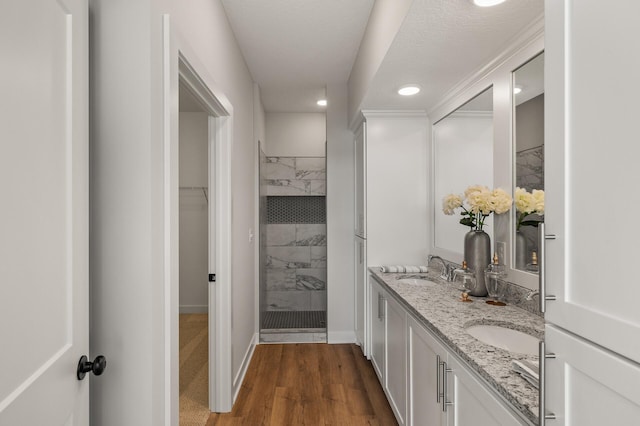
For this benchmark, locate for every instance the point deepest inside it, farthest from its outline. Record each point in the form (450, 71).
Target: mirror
(462, 156)
(528, 136)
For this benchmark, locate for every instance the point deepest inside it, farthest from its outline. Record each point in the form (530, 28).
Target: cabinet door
(377, 304)
(472, 403)
(587, 385)
(396, 358)
(360, 174)
(589, 157)
(424, 356)
(360, 294)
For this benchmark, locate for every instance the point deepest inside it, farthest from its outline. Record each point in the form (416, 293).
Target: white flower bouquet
(477, 204)
(528, 203)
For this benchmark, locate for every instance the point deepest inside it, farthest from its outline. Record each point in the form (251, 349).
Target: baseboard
(237, 382)
(193, 309)
(336, 337)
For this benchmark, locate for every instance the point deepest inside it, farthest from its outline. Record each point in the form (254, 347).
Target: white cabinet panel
(396, 358)
(587, 385)
(472, 404)
(591, 55)
(377, 309)
(424, 354)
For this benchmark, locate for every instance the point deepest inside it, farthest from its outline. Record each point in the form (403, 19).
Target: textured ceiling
(440, 43)
(295, 47)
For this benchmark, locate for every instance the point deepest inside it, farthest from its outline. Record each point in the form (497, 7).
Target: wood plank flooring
(308, 384)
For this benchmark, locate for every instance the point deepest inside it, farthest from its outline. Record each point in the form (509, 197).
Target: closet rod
(203, 188)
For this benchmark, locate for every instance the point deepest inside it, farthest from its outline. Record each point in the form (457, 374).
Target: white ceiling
(293, 48)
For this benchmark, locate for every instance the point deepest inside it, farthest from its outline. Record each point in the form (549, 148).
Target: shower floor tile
(277, 320)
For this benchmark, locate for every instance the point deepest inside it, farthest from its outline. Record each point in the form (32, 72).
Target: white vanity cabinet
(425, 382)
(388, 348)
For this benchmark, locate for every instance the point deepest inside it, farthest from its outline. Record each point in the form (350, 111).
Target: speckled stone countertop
(440, 310)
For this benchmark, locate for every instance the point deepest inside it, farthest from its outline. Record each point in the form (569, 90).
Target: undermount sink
(505, 338)
(417, 281)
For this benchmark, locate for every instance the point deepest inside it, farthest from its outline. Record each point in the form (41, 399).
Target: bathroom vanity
(431, 369)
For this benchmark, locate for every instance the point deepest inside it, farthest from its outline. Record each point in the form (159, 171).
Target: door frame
(180, 65)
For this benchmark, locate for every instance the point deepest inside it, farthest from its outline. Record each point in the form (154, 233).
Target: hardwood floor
(308, 384)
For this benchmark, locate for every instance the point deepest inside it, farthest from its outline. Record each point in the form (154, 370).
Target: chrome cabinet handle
(438, 362)
(380, 306)
(445, 370)
(542, 413)
(542, 268)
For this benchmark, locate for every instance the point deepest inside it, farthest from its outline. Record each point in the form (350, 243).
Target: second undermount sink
(505, 338)
(417, 281)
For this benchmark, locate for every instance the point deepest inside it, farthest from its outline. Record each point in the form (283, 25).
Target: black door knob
(96, 367)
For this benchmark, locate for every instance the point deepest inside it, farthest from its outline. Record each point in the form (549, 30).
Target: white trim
(170, 318)
(380, 113)
(338, 337)
(527, 36)
(220, 125)
(244, 366)
(193, 309)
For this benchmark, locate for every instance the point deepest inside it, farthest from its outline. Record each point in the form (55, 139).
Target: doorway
(201, 182)
(194, 233)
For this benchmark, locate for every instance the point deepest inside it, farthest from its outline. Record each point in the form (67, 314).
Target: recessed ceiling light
(517, 90)
(487, 3)
(408, 90)
(322, 102)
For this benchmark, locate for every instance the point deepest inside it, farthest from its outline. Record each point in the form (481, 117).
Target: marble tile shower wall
(295, 176)
(296, 260)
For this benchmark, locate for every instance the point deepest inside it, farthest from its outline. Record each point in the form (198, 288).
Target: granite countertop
(439, 309)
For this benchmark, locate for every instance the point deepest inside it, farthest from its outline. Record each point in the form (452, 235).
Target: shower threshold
(293, 326)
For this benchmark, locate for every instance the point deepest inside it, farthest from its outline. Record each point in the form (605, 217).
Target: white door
(591, 170)
(44, 212)
(377, 312)
(396, 358)
(588, 385)
(472, 403)
(424, 373)
(360, 298)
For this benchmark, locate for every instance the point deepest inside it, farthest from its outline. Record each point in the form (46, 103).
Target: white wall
(463, 145)
(130, 259)
(194, 262)
(397, 182)
(384, 22)
(295, 134)
(340, 212)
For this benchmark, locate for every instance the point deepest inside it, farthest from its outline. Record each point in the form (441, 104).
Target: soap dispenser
(493, 275)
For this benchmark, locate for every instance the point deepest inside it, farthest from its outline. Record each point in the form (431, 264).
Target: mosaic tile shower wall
(296, 234)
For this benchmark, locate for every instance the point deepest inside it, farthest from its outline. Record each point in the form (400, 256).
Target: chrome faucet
(446, 272)
(531, 294)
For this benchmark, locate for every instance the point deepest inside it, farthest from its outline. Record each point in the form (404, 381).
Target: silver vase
(477, 253)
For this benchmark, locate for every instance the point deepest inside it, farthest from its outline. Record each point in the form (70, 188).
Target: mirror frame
(499, 74)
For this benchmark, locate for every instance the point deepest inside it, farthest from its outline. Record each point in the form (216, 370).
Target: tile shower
(293, 246)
